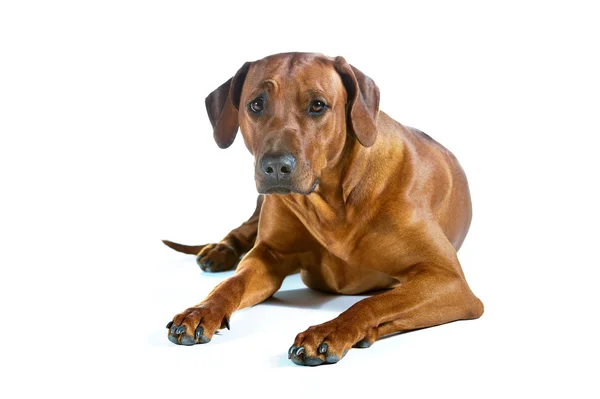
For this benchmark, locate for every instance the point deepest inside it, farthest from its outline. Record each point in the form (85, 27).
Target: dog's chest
(331, 274)
(347, 257)
(331, 228)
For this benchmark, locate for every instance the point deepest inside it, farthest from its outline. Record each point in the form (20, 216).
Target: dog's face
(293, 120)
(294, 111)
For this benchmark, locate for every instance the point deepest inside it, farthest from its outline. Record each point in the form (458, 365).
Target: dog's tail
(186, 249)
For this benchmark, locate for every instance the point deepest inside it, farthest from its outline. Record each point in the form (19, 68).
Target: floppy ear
(363, 102)
(222, 106)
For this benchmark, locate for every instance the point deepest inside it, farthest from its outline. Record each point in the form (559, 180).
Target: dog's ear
(222, 106)
(363, 102)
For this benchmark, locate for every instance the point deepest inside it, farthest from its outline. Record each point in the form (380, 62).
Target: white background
(106, 149)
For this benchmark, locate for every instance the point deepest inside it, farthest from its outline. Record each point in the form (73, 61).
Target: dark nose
(278, 166)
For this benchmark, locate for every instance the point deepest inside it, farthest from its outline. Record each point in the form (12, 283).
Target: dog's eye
(257, 105)
(317, 107)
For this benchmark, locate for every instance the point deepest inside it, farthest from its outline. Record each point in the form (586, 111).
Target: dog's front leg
(431, 295)
(258, 276)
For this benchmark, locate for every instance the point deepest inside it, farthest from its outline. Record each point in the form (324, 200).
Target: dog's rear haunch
(350, 198)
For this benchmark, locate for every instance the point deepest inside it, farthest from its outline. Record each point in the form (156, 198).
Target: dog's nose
(278, 166)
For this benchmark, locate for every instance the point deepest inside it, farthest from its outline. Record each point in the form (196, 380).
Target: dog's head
(294, 111)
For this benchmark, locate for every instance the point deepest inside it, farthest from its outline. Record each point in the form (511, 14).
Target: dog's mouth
(314, 186)
(285, 189)
(278, 190)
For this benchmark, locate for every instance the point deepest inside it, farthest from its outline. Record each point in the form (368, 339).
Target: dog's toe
(330, 358)
(298, 356)
(200, 337)
(363, 343)
(312, 361)
(187, 340)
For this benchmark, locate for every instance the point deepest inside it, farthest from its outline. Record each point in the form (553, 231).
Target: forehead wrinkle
(296, 77)
(297, 61)
(321, 85)
(312, 94)
(315, 93)
(268, 85)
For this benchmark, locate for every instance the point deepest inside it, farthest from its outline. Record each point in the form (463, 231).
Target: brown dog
(351, 198)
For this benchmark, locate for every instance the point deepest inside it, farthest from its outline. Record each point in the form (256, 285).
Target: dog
(353, 200)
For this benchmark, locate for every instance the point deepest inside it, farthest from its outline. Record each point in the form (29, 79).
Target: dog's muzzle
(277, 172)
(277, 175)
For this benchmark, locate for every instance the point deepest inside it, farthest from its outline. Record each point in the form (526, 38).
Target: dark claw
(226, 320)
(180, 329)
(169, 324)
(173, 338)
(323, 348)
(207, 266)
(173, 328)
(299, 351)
(291, 351)
(200, 335)
(199, 261)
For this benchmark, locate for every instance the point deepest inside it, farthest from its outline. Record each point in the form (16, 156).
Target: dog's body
(368, 205)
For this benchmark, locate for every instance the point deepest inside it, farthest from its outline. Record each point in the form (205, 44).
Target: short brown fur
(372, 205)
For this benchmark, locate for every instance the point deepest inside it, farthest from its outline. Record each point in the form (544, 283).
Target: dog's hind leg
(226, 254)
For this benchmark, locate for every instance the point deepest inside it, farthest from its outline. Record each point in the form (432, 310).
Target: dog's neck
(347, 180)
(339, 180)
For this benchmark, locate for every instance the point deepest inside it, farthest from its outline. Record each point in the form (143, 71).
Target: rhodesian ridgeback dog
(350, 198)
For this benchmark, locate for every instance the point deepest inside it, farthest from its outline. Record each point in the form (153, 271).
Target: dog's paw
(217, 258)
(197, 325)
(329, 342)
